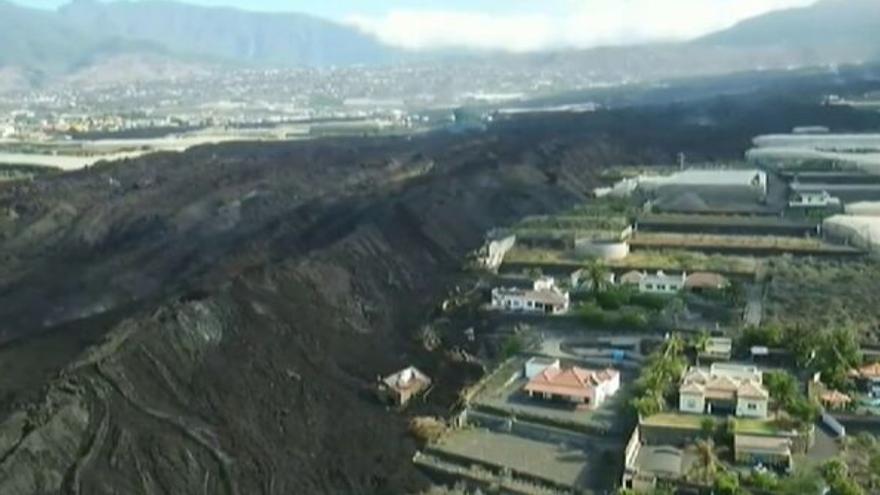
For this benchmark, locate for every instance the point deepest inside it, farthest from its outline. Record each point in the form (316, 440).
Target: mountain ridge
(84, 35)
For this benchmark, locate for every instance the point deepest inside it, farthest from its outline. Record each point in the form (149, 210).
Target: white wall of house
(534, 367)
(661, 283)
(751, 408)
(520, 301)
(691, 403)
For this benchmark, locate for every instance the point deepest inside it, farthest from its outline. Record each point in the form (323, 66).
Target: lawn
(675, 420)
(746, 426)
(749, 426)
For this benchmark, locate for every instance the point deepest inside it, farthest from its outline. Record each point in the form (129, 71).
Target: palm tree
(706, 467)
(700, 343)
(674, 345)
(598, 274)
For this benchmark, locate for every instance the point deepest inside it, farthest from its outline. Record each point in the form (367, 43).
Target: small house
(717, 349)
(764, 450)
(400, 387)
(705, 282)
(834, 400)
(868, 378)
(813, 199)
(654, 283)
(574, 385)
(544, 298)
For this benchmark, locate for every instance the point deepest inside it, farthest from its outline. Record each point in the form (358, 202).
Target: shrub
(727, 484)
(707, 427)
(592, 314)
(513, 345)
(633, 320)
(612, 299)
(650, 301)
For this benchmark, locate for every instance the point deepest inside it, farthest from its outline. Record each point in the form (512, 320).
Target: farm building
(601, 248)
(725, 225)
(860, 231)
(706, 191)
(400, 387)
(575, 385)
(865, 208)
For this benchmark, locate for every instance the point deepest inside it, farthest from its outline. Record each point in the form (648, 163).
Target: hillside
(829, 25)
(226, 34)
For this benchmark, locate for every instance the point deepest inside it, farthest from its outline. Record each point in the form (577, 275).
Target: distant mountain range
(87, 35)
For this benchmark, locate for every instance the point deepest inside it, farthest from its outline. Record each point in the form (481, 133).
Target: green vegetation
(23, 172)
(659, 378)
(669, 260)
(832, 351)
(826, 294)
(786, 394)
(512, 346)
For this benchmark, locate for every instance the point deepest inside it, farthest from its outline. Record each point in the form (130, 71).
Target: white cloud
(574, 23)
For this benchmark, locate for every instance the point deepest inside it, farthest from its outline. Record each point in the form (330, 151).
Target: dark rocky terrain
(211, 322)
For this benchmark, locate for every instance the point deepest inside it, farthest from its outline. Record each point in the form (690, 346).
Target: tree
(802, 342)
(700, 342)
(803, 410)
(598, 274)
(804, 482)
(727, 484)
(513, 345)
(706, 467)
(839, 353)
(783, 388)
(707, 427)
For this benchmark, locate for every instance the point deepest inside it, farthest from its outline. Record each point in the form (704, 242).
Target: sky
(518, 25)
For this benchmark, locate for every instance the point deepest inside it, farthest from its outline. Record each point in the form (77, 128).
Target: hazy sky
(519, 25)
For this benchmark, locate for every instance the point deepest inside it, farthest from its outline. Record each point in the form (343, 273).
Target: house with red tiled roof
(576, 385)
(868, 377)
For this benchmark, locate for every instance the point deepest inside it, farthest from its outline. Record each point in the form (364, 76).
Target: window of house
(649, 286)
(691, 404)
(752, 406)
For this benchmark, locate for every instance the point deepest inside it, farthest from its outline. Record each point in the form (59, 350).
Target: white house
(813, 199)
(724, 387)
(655, 283)
(544, 297)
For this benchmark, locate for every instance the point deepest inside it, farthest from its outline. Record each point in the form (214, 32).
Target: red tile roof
(569, 382)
